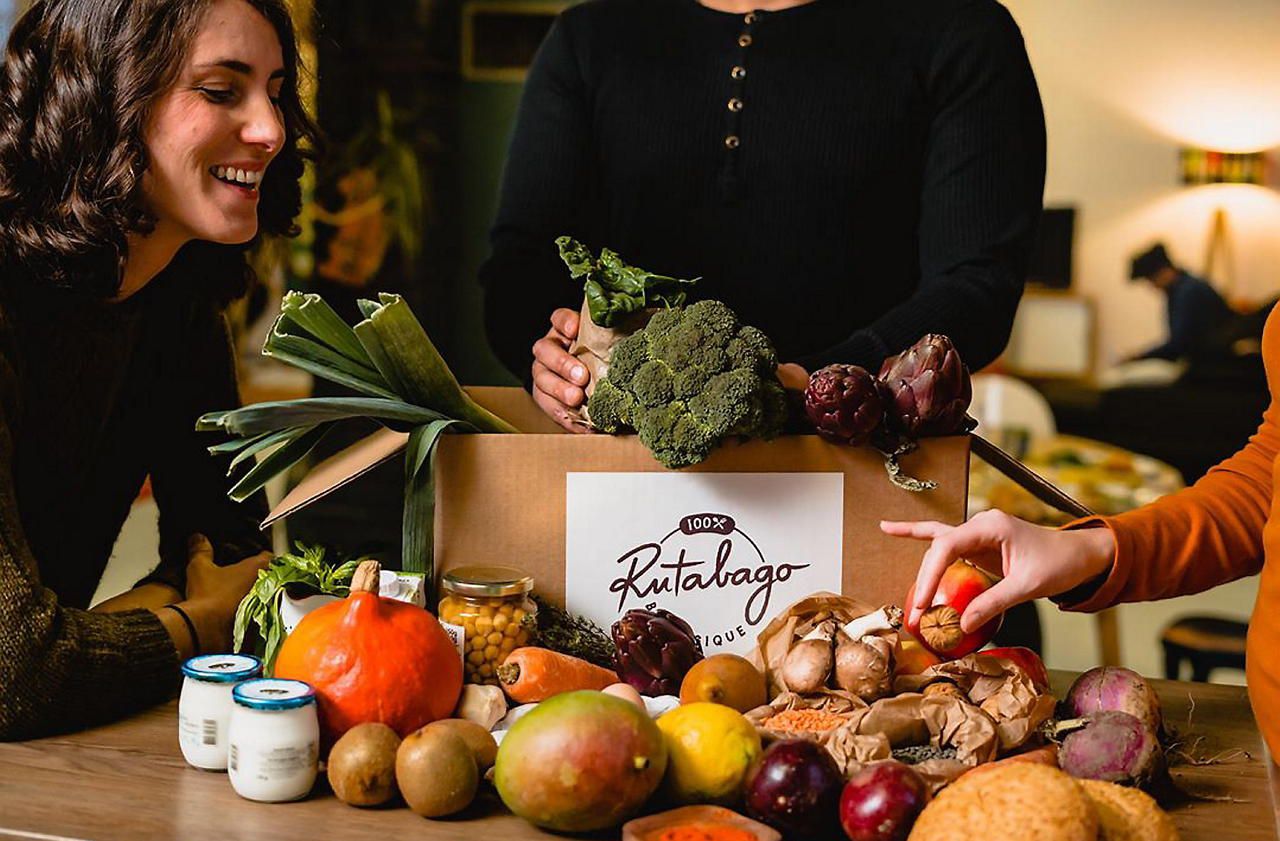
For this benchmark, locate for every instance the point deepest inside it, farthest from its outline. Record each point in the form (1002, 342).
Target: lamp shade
(1204, 166)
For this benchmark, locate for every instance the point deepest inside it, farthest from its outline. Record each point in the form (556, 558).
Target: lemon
(710, 747)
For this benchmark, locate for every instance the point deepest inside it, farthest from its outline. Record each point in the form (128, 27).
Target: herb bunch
(262, 604)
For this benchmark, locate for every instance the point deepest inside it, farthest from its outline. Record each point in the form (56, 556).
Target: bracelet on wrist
(191, 626)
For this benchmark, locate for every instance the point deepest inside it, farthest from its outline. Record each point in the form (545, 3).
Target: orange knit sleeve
(1206, 535)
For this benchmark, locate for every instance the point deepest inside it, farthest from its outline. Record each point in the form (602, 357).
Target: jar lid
(273, 693)
(487, 581)
(222, 668)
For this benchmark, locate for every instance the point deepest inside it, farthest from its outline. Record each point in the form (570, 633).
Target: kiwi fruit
(436, 771)
(362, 765)
(480, 741)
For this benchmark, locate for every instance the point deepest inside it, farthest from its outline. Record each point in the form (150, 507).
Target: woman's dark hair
(78, 83)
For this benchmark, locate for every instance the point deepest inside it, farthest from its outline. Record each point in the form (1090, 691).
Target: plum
(882, 801)
(795, 787)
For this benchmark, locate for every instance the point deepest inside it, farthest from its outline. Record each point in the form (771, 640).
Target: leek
(386, 356)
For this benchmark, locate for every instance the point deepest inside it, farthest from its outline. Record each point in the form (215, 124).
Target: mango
(579, 762)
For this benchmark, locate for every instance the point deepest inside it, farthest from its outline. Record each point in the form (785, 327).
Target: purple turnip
(1111, 746)
(1114, 688)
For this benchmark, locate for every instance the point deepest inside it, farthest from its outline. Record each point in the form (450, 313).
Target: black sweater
(848, 175)
(94, 397)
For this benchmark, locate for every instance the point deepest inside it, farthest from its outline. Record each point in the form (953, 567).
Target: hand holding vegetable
(559, 378)
(939, 627)
(1035, 561)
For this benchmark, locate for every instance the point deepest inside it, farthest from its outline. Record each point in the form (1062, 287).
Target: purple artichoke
(928, 389)
(843, 403)
(653, 650)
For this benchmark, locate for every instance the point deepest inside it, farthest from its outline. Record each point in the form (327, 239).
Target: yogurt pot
(205, 705)
(273, 740)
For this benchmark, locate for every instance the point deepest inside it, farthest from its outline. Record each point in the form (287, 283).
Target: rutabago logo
(704, 552)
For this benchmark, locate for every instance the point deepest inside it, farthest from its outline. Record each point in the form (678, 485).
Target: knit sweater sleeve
(1206, 535)
(548, 187)
(60, 668)
(189, 484)
(981, 196)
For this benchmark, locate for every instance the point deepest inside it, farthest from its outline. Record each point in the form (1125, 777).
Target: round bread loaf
(1127, 814)
(1025, 801)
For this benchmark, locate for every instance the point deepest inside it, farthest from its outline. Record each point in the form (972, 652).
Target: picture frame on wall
(1054, 336)
(500, 37)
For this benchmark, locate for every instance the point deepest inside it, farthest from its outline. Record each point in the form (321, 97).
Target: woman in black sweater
(848, 175)
(143, 145)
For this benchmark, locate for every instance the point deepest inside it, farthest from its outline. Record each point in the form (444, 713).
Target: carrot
(532, 674)
(1047, 755)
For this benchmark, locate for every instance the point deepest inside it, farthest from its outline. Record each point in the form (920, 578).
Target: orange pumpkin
(373, 659)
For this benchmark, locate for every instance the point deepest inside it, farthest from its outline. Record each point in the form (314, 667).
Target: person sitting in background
(1196, 311)
(143, 145)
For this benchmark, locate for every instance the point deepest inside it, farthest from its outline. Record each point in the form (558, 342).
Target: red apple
(1025, 659)
(882, 801)
(939, 626)
(912, 658)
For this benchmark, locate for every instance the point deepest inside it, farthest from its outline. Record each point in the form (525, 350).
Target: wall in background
(486, 117)
(1124, 85)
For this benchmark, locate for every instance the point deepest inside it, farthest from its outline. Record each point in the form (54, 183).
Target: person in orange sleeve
(1224, 527)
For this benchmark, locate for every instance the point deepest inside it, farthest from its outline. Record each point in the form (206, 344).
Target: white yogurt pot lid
(273, 694)
(222, 668)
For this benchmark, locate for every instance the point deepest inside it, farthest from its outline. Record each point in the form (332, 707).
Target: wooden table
(128, 781)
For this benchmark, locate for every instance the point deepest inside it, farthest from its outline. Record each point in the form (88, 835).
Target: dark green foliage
(567, 633)
(614, 289)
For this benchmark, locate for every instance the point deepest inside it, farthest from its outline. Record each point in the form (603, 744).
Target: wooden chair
(1207, 642)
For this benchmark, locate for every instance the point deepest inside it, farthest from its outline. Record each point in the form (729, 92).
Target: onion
(1112, 746)
(1114, 688)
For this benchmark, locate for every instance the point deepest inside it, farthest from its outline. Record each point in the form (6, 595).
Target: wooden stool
(1207, 642)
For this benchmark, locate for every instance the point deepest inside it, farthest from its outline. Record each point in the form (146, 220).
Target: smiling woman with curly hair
(145, 145)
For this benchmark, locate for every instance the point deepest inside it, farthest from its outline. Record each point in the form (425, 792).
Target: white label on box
(724, 551)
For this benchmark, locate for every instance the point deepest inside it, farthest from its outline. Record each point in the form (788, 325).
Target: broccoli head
(687, 380)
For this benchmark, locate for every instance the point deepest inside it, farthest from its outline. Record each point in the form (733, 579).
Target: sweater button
(735, 105)
(744, 40)
(749, 18)
(738, 72)
(732, 141)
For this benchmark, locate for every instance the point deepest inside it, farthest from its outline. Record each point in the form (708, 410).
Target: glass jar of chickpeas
(492, 606)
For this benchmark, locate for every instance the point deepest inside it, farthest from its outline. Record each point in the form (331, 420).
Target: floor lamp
(1203, 166)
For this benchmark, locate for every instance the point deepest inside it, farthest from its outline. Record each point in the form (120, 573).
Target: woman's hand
(559, 379)
(793, 377)
(1034, 561)
(213, 595)
(145, 596)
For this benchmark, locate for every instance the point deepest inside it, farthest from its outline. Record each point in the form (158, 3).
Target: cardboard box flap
(339, 469)
(514, 405)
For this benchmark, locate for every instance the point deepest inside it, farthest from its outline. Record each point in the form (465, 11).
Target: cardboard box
(726, 544)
